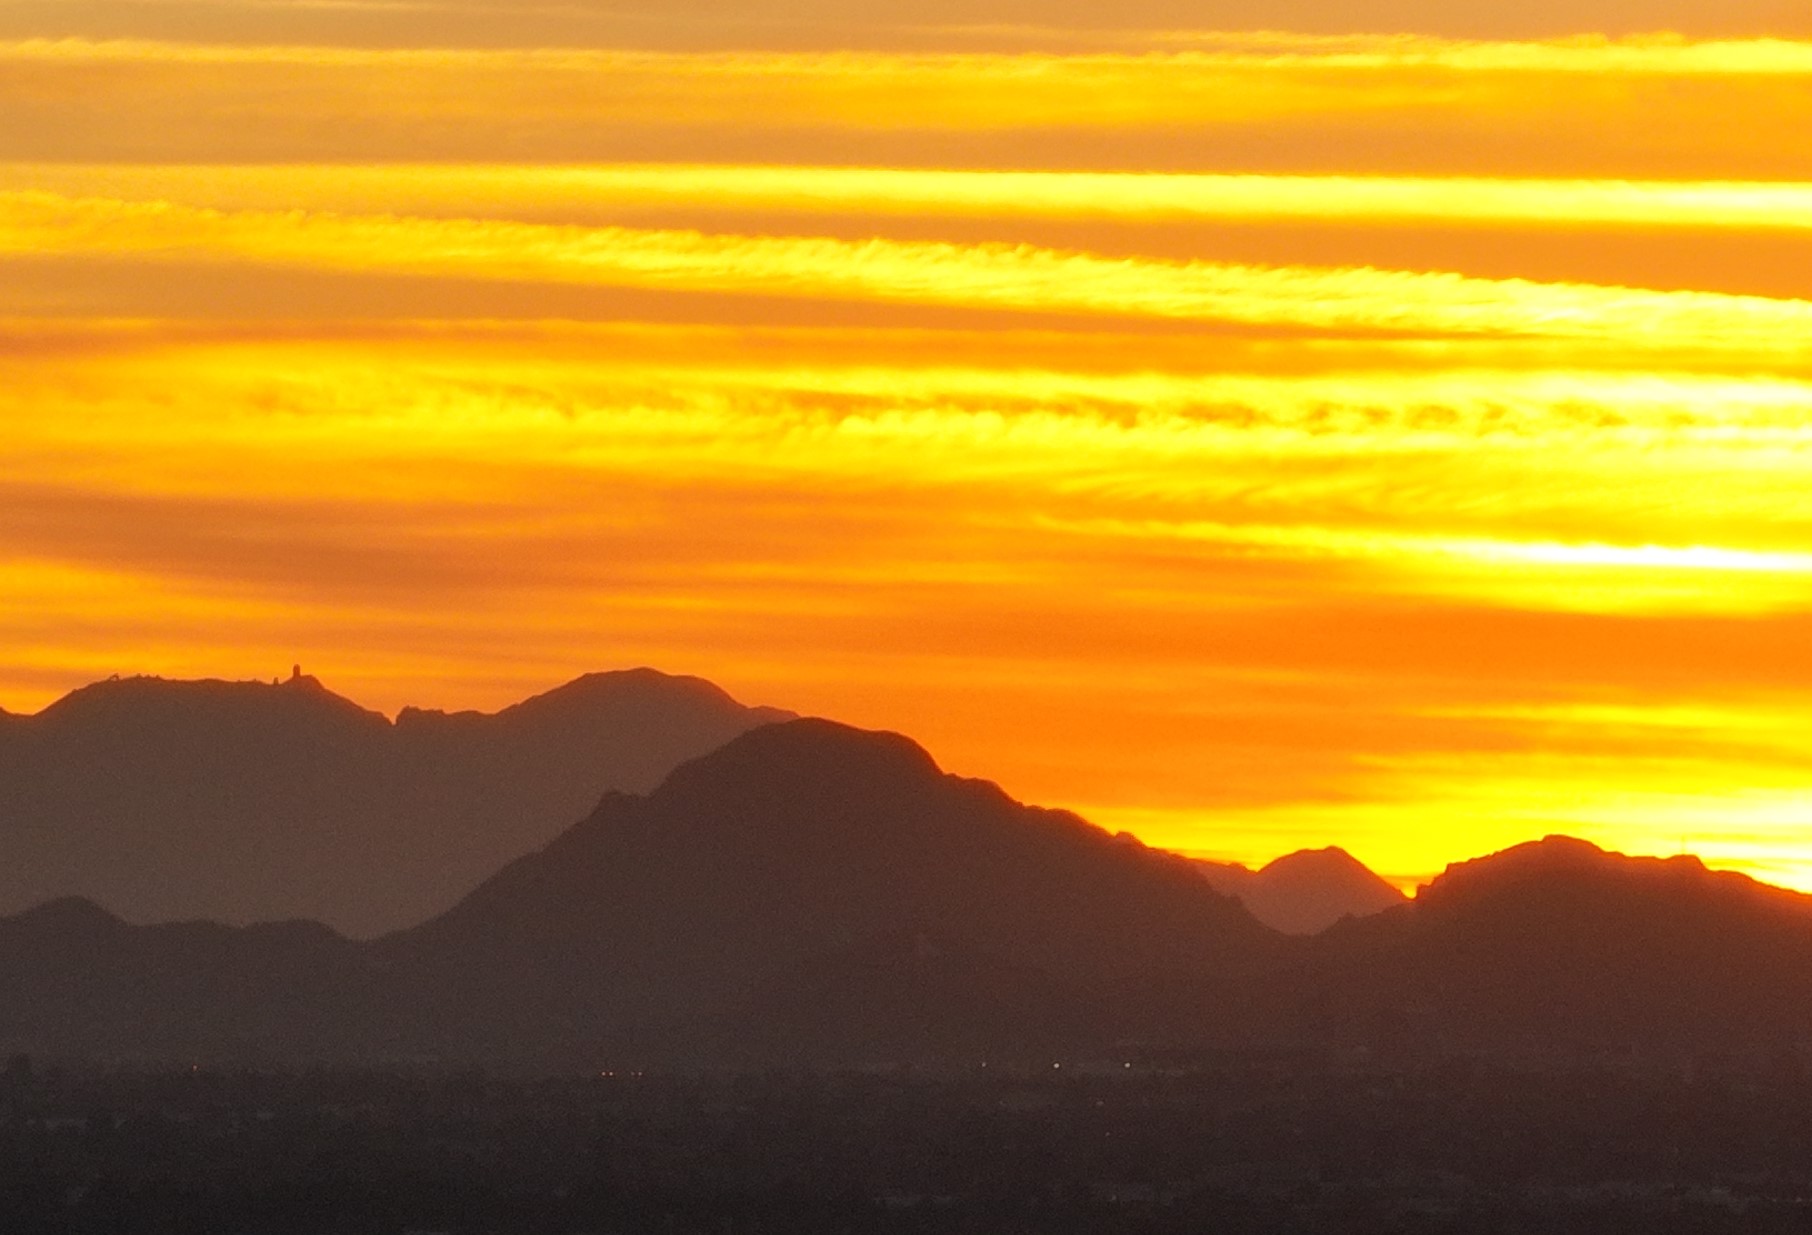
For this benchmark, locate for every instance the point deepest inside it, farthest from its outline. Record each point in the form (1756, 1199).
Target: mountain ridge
(813, 895)
(796, 842)
(239, 801)
(1557, 944)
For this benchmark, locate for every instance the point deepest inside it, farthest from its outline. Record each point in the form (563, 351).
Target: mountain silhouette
(808, 893)
(801, 849)
(811, 894)
(1305, 892)
(242, 801)
(80, 982)
(1557, 944)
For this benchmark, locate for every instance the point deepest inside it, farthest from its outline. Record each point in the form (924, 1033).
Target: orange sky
(1252, 425)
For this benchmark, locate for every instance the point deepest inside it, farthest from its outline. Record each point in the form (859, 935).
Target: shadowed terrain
(808, 893)
(812, 894)
(1306, 892)
(778, 895)
(245, 801)
(1558, 945)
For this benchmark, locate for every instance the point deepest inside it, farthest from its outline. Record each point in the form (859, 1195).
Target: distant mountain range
(243, 801)
(811, 894)
(1557, 944)
(1306, 892)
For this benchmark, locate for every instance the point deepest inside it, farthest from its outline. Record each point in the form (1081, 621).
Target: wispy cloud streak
(920, 192)
(991, 275)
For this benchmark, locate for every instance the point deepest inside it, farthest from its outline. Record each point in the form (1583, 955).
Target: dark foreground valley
(1229, 1144)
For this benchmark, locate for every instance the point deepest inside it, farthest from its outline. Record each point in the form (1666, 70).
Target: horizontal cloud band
(992, 276)
(920, 192)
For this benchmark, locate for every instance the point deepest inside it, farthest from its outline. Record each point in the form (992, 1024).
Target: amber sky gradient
(1253, 425)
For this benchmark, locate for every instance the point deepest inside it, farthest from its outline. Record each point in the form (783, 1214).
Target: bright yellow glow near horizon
(1252, 440)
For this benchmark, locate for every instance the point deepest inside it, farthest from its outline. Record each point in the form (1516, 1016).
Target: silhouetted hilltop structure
(801, 850)
(1305, 892)
(241, 801)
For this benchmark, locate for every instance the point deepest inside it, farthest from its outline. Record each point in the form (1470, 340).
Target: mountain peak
(793, 848)
(1305, 892)
(246, 800)
(69, 915)
(1554, 852)
(150, 699)
(1329, 860)
(814, 737)
(1555, 861)
(812, 754)
(650, 696)
(637, 682)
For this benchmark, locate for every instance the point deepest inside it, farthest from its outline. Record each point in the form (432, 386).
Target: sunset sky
(1253, 425)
